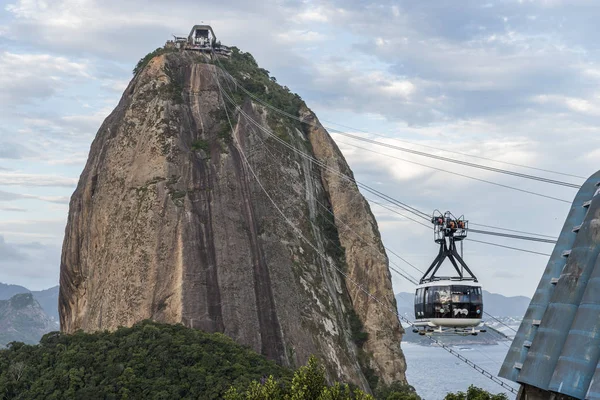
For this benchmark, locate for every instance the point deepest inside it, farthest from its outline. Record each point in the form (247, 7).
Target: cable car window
(476, 296)
(444, 294)
(461, 294)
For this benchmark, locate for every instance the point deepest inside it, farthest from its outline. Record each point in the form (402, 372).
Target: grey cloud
(147, 24)
(10, 150)
(7, 196)
(466, 62)
(22, 179)
(12, 209)
(31, 264)
(30, 77)
(9, 252)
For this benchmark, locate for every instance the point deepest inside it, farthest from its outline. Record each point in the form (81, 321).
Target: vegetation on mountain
(309, 382)
(160, 361)
(475, 393)
(146, 59)
(243, 67)
(148, 360)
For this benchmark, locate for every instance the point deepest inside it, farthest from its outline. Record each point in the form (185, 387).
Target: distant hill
(47, 298)
(7, 291)
(493, 304)
(23, 319)
(502, 306)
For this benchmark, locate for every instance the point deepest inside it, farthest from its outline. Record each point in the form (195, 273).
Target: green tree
(475, 393)
(396, 391)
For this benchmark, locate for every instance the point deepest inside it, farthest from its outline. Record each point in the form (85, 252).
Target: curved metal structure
(201, 34)
(557, 347)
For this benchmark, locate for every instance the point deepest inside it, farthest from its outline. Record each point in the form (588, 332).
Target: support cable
(359, 286)
(229, 77)
(404, 274)
(351, 179)
(458, 174)
(508, 235)
(404, 149)
(454, 152)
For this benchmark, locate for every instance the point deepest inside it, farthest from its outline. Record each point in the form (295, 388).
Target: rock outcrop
(177, 217)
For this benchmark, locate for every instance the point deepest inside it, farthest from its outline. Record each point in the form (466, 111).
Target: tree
(308, 383)
(397, 391)
(475, 393)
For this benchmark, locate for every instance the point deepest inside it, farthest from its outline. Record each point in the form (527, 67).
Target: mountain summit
(199, 205)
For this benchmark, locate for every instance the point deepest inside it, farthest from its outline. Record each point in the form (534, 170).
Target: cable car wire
(509, 247)
(404, 275)
(512, 230)
(416, 152)
(414, 211)
(508, 235)
(452, 151)
(465, 163)
(458, 174)
(473, 240)
(366, 187)
(359, 286)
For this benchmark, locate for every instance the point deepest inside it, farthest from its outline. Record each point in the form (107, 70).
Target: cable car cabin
(448, 304)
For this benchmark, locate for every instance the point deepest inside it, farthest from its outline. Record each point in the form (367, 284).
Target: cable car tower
(448, 304)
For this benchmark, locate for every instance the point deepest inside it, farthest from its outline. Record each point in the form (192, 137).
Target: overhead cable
(416, 152)
(406, 207)
(355, 283)
(453, 151)
(458, 174)
(507, 235)
(366, 187)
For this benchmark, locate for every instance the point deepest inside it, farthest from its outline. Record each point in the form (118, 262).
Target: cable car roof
(449, 282)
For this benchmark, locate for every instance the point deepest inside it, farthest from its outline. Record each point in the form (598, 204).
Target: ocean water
(434, 372)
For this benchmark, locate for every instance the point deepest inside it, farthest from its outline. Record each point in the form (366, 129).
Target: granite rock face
(169, 222)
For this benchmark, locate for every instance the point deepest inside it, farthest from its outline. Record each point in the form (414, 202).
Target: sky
(512, 81)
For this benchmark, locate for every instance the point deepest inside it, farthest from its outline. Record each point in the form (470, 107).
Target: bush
(397, 391)
(200, 144)
(475, 393)
(243, 67)
(308, 383)
(149, 360)
(146, 59)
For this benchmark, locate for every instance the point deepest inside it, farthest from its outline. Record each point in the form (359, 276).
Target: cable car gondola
(448, 304)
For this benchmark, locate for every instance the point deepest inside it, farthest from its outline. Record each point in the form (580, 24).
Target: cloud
(32, 264)
(9, 196)
(33, 77)
(300, 36)
(12, 209)
(22, 179)
(9, 252)
(9, 150)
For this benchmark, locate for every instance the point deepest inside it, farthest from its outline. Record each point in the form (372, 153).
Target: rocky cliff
(177, 218)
